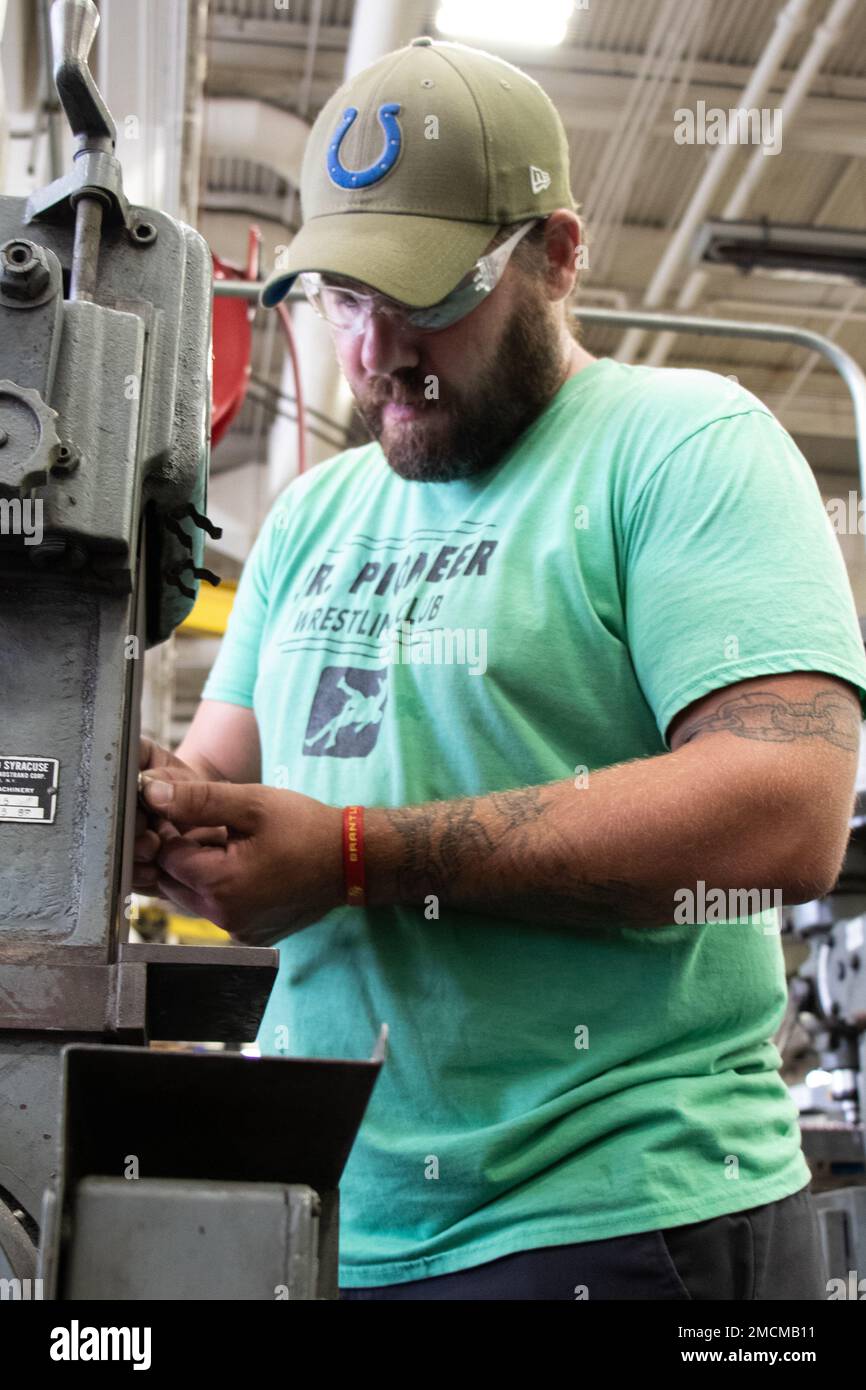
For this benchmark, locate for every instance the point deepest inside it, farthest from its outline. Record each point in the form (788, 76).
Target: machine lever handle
(73, 26)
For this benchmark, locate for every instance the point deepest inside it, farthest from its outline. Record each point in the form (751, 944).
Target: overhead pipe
(840, 318)
(825, 36)
(246, 128)
(788, 24)
(675, 29)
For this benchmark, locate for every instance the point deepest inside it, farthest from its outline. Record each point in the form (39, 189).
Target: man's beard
(472, 428)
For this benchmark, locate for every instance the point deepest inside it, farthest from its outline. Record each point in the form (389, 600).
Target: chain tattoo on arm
(770, 718)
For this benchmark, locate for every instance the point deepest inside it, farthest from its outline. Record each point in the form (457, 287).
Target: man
(579, 638)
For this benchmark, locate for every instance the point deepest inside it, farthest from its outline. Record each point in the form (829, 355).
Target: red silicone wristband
(353, 856)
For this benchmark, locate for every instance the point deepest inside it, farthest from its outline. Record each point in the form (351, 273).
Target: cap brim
(417, 260)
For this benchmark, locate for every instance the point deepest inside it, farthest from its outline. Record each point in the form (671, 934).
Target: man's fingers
(193, 865)
(146, 847)
(149, 842)
(165, 830)
(152, 755)
(152, 759)
(195, 804)
(175, 771)
(182, 897)
(212, 835)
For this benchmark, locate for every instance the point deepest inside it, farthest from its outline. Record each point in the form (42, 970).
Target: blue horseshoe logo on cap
(363, 178)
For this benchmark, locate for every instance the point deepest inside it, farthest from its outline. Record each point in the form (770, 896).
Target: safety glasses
(349, 310)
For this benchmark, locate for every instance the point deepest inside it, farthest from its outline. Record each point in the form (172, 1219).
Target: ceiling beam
(274, 36)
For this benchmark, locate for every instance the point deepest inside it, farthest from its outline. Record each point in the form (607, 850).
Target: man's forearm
(616, 849)
(199, 764)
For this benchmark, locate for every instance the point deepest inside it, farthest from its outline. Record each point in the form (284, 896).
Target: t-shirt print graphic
(346, 714)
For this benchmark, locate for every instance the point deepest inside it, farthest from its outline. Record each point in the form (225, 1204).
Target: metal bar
(768, 332)
(52, 105)
(85, 251)
(237, 289)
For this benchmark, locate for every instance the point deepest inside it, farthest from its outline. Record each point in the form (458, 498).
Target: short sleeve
(732, 570)
(233, 675)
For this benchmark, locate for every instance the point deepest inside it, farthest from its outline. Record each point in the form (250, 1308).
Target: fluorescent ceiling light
(534, 23)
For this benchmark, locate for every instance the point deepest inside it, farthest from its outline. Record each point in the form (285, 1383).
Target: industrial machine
(828, 1000)
(114, 1158)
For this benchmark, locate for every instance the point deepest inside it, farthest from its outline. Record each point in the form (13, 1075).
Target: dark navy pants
(768, 1252)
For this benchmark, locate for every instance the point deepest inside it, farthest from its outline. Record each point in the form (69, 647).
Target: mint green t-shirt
(653, 536)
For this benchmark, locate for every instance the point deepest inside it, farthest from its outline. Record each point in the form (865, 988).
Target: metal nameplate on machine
(28, 789)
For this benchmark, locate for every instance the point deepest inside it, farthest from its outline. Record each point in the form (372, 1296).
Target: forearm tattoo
(479, 853)
(437, 843)
(448, 846)
(518, 807)
(770, 718)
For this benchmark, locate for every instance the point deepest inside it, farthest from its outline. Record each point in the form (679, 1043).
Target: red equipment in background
(231, 340)
(231, 347)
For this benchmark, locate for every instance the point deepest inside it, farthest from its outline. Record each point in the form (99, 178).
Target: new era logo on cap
(539, 178)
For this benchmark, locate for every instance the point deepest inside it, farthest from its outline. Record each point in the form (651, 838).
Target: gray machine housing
(105, 391)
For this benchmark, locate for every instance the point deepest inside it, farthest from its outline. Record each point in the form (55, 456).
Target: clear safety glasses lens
(349, 310)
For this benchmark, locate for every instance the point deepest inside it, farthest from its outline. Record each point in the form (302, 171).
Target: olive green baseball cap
(415, 164)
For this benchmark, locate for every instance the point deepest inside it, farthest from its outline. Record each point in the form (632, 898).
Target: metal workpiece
(164, 1238)
(153, 992)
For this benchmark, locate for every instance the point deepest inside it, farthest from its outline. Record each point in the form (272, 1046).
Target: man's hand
(279, 869)
(152, 831)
